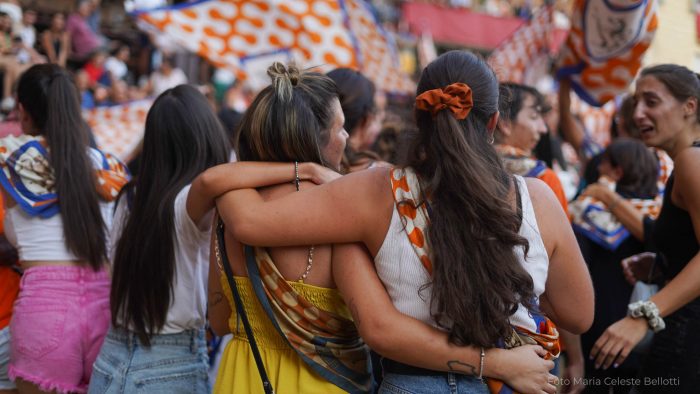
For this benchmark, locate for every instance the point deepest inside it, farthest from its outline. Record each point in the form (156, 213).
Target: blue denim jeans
(5, 382)
(432, 384)
(175, 363)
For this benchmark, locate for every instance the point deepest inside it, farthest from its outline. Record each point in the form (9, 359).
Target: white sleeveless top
(405, 278)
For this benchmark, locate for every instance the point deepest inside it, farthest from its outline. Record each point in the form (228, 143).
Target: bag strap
(267, 386)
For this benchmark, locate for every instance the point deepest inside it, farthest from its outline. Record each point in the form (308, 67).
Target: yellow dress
(286, 370)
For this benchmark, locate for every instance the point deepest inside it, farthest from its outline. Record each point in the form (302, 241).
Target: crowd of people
(341, 238)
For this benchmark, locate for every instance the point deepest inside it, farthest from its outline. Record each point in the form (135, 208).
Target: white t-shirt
(188, 304)
(162, 82)
(117, 67)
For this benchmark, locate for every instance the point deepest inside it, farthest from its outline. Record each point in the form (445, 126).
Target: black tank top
(673, 232)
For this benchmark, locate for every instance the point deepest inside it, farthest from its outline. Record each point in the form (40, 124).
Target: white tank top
(405, 278)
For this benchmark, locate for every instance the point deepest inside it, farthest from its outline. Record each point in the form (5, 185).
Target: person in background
(363, 107)
(27, 35)
(84, 41)
(9, 62)
(9, 288)
(56, 40)
(667, 113)
(630, 168)
(116, 64)
(96, 71)
(165, 77)
(519, 129)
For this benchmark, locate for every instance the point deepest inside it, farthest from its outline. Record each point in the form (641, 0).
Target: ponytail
(478, 280)
(49, 96)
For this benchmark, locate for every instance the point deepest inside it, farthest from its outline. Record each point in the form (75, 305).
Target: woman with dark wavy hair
(458, 244)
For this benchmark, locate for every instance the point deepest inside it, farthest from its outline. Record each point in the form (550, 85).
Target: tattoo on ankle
(461, 367)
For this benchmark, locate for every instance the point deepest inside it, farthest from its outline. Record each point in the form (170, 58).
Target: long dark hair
(640, 168)
(49, 97)
(183, 137)
(477, 280)
(290, 119)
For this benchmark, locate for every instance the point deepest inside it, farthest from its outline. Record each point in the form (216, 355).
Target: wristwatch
(648, 310)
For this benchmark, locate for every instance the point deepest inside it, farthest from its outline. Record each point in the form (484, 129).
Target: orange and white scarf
(327, 342)
(415, 215)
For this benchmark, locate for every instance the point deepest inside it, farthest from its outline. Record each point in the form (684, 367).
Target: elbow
(242, 231)
(581, 317)
(373, 332)
(580, 326)
(203, 182)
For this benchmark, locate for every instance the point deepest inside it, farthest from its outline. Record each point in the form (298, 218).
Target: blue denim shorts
(175, 363)
(431, 384)
(5, 382)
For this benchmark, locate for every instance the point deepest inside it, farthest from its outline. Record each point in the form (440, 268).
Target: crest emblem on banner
(604, 50)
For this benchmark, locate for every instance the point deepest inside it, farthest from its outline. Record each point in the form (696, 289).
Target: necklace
(310, 258)
(309, 263)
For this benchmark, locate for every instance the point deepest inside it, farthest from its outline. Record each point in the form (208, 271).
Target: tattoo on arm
(462, 367)
(215, 298)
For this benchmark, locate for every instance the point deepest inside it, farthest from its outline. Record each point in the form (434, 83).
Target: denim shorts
(431, 384)
(175, 363)
(59, 321)
(5, 382)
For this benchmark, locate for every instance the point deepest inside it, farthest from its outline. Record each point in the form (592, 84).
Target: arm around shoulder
(354, 208)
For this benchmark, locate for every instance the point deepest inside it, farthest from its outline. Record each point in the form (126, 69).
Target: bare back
(291, 261)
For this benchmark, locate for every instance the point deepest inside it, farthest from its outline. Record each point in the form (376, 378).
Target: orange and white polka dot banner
(323, 33)
(119, 129)
(514, 58)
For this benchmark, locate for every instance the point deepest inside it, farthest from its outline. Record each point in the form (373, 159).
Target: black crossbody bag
(267, 386)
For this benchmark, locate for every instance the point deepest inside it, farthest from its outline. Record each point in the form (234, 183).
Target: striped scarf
(414, 213)
(27, 176)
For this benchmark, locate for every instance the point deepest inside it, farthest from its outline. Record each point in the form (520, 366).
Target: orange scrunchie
(456, 97)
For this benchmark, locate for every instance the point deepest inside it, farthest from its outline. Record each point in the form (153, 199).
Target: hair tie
(456, 97)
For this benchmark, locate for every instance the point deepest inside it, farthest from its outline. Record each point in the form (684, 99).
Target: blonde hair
(290, 119)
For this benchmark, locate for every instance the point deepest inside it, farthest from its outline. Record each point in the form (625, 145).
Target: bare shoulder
(687, 184)
(686, 164)
(374, 181)
(542, 196)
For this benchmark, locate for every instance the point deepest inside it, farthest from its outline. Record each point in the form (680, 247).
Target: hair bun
(284, 79)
